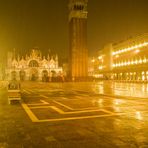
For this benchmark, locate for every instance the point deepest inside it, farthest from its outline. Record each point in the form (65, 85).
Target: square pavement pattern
(43, 110)
(67, 115)
(42, 105)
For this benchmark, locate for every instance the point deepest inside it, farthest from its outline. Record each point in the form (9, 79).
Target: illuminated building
(78, 59)
(126, 60)
(33, 67)
(93, 67)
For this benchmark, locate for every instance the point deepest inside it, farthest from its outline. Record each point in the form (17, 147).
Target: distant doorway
(53, 76)
(33, 74)
(45, 77)
(22, 75)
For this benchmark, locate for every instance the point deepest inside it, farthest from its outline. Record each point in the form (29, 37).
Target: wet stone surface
(81, 115)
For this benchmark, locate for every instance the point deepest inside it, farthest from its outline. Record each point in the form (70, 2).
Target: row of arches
(34, 75)
(131, 76)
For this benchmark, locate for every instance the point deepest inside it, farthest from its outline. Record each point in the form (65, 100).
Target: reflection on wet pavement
(121, 89)
(92, 114)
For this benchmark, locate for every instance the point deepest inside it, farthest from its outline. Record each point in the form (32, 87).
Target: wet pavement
(81, 115)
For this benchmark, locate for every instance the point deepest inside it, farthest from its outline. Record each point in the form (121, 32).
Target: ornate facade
(34, 67)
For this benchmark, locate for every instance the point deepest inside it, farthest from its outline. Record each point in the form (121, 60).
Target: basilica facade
(34, 67)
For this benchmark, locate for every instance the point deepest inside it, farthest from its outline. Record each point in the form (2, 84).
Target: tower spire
(78, 59)
(78, 9)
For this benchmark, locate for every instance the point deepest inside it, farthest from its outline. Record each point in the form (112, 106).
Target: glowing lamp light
(142, 72)
(128, 63)
(137, 51)
(93, 60)
(144, 60)
(140, 61)
(132, 62)
(136, 62)
(100, 67)
(145, 43)
(130, 48)
(100, 57)
(140, 45)
(117, 56)
(136, 46)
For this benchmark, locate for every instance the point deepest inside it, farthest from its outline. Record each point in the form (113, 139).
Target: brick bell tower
(78, 58)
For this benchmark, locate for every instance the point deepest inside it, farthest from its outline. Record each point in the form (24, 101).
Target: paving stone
(126, 130)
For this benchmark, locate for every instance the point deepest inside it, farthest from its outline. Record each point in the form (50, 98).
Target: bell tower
(78, 58)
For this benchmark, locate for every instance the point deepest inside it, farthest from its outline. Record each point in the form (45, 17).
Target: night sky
(25, 24)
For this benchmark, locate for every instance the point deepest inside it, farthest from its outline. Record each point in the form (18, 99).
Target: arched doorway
(33, 63)
(33, 74)
(45, 77)
(22, 75)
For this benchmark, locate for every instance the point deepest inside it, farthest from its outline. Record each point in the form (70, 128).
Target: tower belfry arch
(78, 58)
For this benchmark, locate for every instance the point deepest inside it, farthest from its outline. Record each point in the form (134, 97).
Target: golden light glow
(138, 115)
(137, 51)
(100, 102)
(100, 57)
(132, 62)
(98, 75)
(144, 60)
(117, 56)
(142, 72)
(130, 48)
(116, 102)
(100, 67)
(93, 60)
